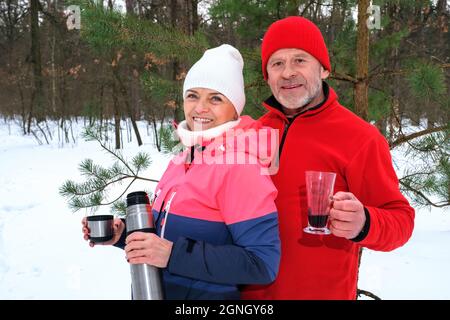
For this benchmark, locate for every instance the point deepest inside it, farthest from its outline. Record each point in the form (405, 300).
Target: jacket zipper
(166, 214)
(285, 131)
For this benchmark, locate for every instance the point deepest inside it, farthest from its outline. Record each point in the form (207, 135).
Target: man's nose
(289, 71)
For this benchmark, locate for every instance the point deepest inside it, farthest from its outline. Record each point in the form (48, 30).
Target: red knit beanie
(294, 32)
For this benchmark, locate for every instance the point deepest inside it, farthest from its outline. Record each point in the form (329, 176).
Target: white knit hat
(219, 69)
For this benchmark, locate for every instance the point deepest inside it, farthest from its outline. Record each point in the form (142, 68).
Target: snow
(419, 269)
(43, 255)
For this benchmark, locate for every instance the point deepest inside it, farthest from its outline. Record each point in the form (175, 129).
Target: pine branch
(93, 192)
(427, 52)
(397, 119)
(78, 193)
(87, 167)
(415, 135)
(422, 195)
(141, 161)
(422, 179)
(119, 206)
(89, 133)
(141, 178)
(71, 188)
(415, 174)
(117, 155)
(121, 195)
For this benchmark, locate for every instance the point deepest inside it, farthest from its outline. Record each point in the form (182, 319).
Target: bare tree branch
(369, 294)
(306, 7)
(386, 72)
(343, 77)
(403, 138)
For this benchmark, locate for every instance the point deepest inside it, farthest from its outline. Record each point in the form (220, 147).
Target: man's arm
(373, 182)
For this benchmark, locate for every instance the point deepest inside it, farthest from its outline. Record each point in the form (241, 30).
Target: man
(319, 134)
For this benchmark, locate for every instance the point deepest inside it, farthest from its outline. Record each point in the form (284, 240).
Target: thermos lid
(138, 197)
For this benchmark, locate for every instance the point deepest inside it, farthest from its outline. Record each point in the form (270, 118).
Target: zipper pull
(166, 214)
(157, 193)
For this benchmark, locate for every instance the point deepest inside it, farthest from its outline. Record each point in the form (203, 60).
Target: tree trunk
(317, 7)
(128, 107)
(175, 21)
(101, 113)
(23, 108)
(116, 115)
(361, 89)
(194, 17)
(131, 101)
(173, 12)
(36, 62)
(52, 59)
(152, 120)
(443, 22)
(396, 92)
(129, 5)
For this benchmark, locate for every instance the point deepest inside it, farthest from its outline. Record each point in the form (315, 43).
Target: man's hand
(347, 216)
(148, 248)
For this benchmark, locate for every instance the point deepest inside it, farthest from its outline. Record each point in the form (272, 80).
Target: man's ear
(324, 73)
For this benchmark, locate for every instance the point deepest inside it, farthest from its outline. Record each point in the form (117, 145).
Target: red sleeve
(372, 179)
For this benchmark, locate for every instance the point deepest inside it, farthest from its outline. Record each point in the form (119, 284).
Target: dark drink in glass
(318, 221)
(319, 192)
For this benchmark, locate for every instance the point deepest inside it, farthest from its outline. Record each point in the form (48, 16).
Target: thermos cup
(101, 228)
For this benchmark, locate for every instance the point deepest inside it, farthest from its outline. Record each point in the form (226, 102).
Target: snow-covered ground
(43, 256)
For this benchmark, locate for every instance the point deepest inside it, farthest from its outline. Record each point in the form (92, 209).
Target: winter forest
(128, 60)
(120, 65)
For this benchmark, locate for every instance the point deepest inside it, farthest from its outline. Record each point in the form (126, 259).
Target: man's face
(295, 78)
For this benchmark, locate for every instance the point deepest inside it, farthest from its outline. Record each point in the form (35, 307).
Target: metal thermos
(146, 280)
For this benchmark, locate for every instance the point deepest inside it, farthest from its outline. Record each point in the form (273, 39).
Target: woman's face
(205, 109)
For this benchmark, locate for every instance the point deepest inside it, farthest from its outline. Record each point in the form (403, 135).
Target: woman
(216, 219)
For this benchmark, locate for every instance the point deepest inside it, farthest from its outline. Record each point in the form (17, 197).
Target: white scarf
(189, 138)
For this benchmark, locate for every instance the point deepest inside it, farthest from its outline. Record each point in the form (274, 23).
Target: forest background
(115, 60)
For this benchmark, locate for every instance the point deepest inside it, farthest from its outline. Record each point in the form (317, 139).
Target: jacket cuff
(121, 242)
(365, 230)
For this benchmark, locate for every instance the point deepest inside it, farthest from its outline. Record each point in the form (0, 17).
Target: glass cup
(319, 195)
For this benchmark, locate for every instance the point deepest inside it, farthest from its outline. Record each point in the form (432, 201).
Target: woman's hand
(118, 227)
(142, 247)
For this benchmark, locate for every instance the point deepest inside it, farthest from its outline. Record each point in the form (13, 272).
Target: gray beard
(305, 101)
